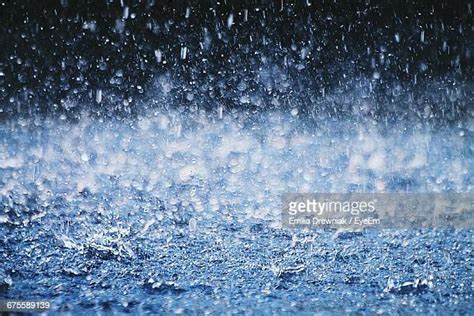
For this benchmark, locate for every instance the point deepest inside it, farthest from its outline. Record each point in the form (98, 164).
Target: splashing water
(235, 161)
(183, 205)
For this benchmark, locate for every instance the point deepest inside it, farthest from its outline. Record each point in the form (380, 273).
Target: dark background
(322, 57)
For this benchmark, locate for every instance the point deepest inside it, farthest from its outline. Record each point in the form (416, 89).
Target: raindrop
(230, 20)
(184, 52)
(125, 13)
(158, 55)
(98, 96)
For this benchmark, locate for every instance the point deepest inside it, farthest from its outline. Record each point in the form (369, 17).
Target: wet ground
(168, 266)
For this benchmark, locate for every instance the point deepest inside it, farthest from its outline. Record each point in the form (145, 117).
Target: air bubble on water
(85, 157)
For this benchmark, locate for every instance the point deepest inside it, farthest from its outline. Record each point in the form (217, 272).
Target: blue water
(177, 212)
